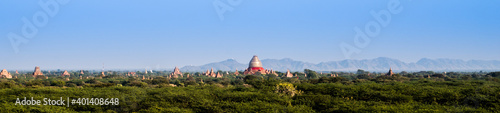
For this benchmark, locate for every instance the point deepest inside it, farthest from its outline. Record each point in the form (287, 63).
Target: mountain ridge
(376, 64)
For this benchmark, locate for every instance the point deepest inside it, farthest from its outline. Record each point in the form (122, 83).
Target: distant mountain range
(377, 64)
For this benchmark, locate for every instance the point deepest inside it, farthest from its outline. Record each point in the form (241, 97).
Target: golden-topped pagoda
(255, 67)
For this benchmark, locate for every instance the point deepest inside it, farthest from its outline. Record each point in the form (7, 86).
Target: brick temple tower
(37, 71)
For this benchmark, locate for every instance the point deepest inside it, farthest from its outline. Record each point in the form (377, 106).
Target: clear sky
(161, 34)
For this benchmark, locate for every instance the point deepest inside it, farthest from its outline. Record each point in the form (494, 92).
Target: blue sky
(161, 34)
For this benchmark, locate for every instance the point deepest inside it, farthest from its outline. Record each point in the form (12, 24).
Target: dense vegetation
(350, 92)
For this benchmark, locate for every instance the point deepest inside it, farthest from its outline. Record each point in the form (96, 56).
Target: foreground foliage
(261, 94)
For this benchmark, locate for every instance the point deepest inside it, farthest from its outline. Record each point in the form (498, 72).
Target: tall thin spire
(102, 72)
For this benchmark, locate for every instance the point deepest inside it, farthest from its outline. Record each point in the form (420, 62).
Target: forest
(360, 91)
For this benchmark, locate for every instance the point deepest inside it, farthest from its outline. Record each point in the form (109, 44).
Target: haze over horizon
(125, 34)
(282, 66)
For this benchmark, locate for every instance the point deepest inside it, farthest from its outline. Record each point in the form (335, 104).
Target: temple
(65, 73)
(390, 73)
(255, 67)
(236, 73)
(218, 75)
(176, 73)
(131, 74)
(37, 71)
(210, 73)
(288, 74)
(5, 74)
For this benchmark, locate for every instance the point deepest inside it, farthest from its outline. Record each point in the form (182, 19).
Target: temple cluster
(255, 67)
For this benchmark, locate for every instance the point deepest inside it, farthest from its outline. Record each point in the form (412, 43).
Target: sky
(162, 34)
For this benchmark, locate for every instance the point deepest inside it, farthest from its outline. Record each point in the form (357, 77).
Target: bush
(7, 85)
(287, 89)
(138, 84)
(494, 74)
(59, 83)
(255, 81)
(100, 85)
(71, 85)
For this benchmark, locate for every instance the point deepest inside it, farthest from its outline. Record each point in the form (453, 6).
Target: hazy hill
(377, 64)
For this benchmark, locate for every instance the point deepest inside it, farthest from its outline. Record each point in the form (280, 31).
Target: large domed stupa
(256, 66)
